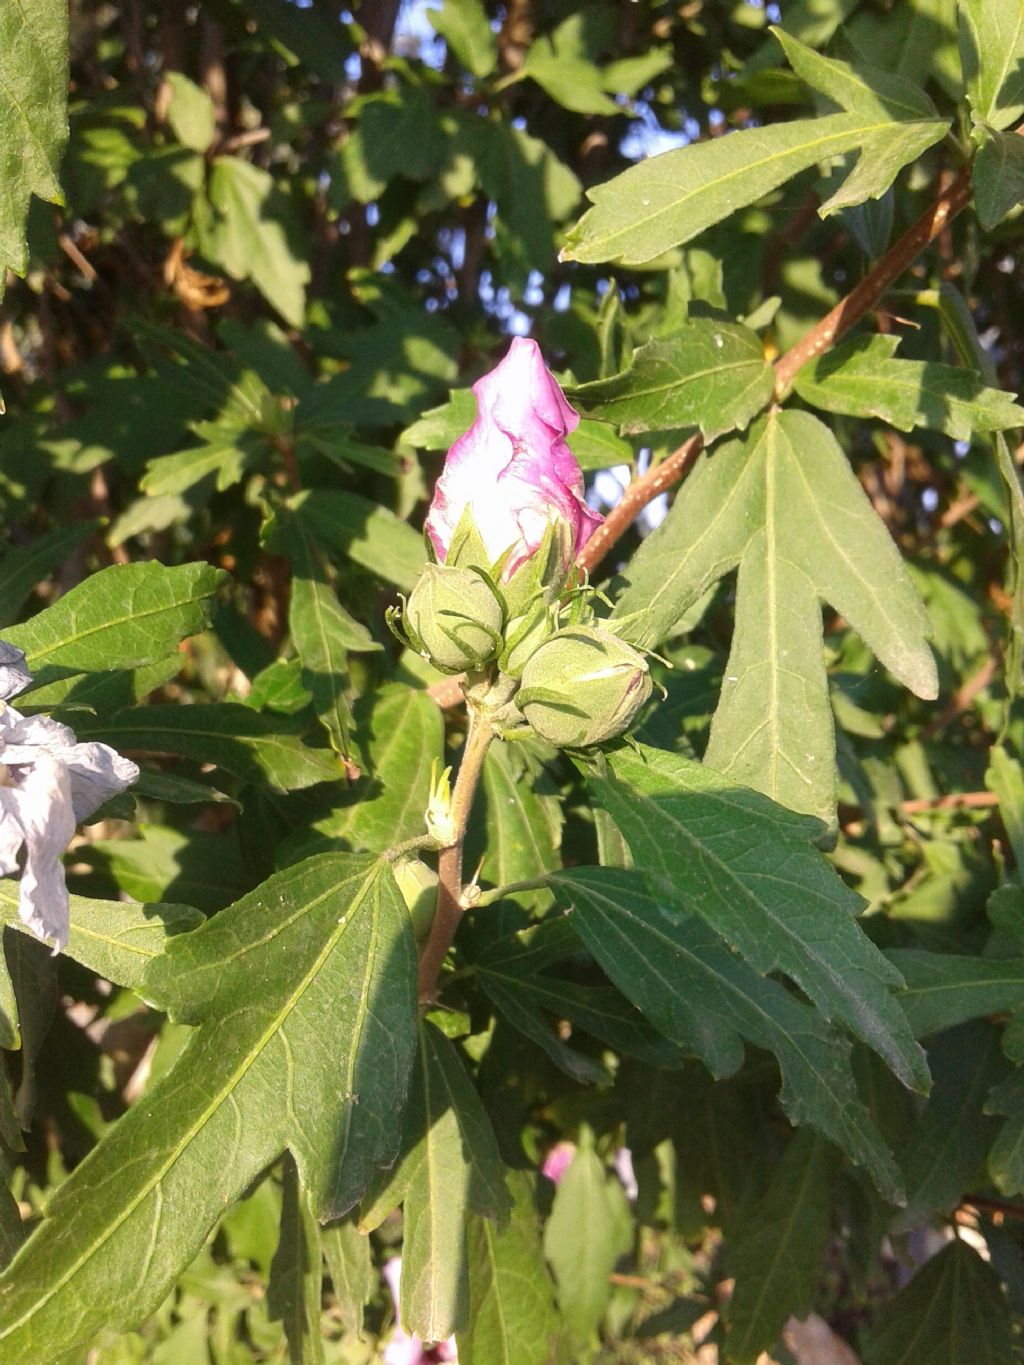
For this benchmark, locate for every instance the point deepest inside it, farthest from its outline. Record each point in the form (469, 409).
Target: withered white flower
(48, 783)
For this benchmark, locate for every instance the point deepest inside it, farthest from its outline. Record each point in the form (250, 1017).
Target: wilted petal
(513, 468)
(40, 804)
(97, 771)
(14, 675)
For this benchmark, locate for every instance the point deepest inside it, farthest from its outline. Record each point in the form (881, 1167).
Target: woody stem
(449, 867)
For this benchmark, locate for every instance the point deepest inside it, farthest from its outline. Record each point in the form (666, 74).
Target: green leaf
(33, 117)
(247, 233)
(784, 505)
(669, 199)
(512, 1317)
(439, 427)
(710, 374)
(304, 994)
(882, 157)
(859, 89)
(1006, 1157)
(465, 27)
(998, 174)
(322, 632)
(202, 869)
(121, 617)
(597, 446)
(23, 567)
(448, 1168)
(10, 1031)
(991, 37)
(293, 1291)
(1014, 668)
(862, 378)
(951, 1137)
(560, 64)
(777, 1254)
(190, 113)
(1005, 777)
(943, 989)
(255, 747)
(705, 998)
(528, 1012)
(223, 462)
(589, 1229)
(364, 531)
(522, 826)
(402, 738)
(347, 1253)
(532, 188)
(509, 970)
(917, 39)
(397, 134)
(952, 1310)
(115, 939)
(736, 859)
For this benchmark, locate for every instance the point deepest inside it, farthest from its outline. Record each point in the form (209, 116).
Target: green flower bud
(418, 885)
(454, 618)
(582, 687)
(524, 636)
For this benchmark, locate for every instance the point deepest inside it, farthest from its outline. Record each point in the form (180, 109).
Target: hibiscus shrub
(511, 627)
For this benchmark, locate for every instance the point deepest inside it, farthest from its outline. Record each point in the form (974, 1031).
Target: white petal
(98, 772)
(14, 675)
(12, 836)
(42, 803)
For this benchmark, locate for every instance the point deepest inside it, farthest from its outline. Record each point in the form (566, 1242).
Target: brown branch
(963, 698)
(974, 800)
(636, 497)
(984, 1204)
(947, 204)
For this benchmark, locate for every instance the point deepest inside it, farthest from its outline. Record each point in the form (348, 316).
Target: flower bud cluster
(504, 602)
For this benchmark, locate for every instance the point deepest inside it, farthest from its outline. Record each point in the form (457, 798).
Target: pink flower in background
(513, 468)
(558, 1160)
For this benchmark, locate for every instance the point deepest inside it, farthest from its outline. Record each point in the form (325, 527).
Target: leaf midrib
(227, 1091)
(851, 134)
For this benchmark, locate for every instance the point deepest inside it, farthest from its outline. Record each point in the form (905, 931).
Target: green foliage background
(775, 947)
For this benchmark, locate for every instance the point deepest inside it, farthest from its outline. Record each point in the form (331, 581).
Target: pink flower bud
(513, 468)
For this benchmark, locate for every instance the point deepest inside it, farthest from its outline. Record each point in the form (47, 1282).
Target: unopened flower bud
(583, 686)
(418, 885)
(454, 618)
(513, 470)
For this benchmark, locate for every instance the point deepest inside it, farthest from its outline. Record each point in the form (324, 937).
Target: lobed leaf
(862, 378)
(710, 374)
(710, 847)
(669, 199)
(783, 504)
(122, 617)
(304, 993)
(706, 999)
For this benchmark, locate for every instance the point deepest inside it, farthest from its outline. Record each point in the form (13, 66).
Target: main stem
(449, 866)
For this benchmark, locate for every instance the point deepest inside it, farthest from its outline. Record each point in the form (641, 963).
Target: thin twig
(449, 867)
(976, 800)
(964, 697)
(636, 497)
(946, 205)
(984, 1204)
